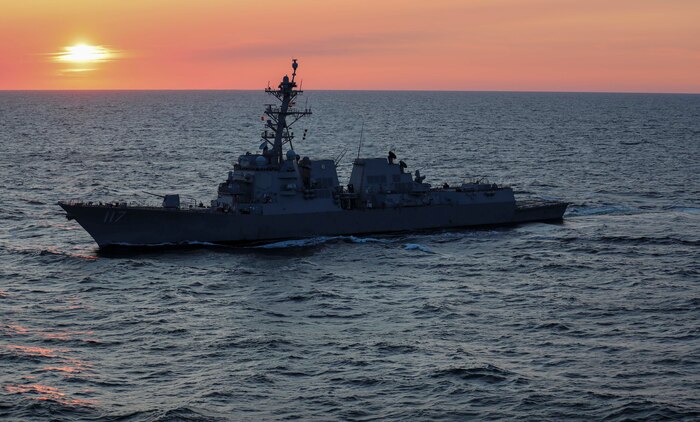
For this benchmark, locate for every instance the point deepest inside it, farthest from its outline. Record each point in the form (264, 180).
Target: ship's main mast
(277, 127)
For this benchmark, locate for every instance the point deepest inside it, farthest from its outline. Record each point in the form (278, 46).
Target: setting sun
(84, 53)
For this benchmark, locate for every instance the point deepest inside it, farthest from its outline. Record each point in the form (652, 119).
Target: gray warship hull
(121, 226)
(274, 195)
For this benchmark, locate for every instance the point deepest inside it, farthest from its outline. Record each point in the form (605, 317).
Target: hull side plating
(113, 226)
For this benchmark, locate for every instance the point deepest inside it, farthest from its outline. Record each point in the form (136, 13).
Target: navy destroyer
(275, 194)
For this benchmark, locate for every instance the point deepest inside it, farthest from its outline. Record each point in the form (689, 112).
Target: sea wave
(316, 241)
(585, 210)
(418, 247)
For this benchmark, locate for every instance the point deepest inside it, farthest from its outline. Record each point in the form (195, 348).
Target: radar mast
(281, 118)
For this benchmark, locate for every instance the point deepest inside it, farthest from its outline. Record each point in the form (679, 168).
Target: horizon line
(354, 90)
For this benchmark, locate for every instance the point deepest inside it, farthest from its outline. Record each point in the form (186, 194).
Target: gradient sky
(523, 45)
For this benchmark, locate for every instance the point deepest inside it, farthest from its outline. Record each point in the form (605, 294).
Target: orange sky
(540, 45)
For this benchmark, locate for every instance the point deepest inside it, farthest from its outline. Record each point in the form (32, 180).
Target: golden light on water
(84, 53)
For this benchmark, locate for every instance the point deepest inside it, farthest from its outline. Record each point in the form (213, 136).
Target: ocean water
(596, 318)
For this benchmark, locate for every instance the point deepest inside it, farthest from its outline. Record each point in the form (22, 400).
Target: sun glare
(84, 53)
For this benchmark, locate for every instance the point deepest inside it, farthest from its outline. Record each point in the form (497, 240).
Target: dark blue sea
(596, 318)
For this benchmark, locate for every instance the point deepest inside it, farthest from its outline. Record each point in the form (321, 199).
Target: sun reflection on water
(48, 393)
(15, 329)
(69, 366)
(32, 350)
(19, 330)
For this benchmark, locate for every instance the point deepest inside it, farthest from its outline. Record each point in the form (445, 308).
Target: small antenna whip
(340, 157)
(362, 132)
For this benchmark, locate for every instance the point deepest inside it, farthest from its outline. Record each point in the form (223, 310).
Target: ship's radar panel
(279, 119)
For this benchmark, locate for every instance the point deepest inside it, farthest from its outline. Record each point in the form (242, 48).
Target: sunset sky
(522, 45)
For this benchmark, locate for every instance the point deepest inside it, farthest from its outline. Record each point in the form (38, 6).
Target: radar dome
(261, 161)
(291, 155)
